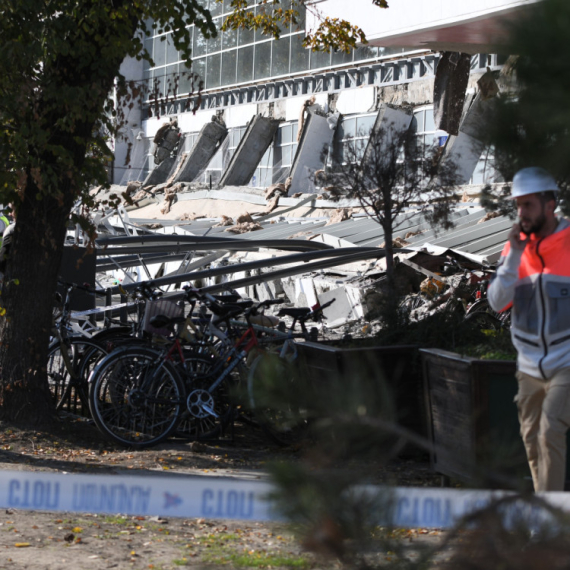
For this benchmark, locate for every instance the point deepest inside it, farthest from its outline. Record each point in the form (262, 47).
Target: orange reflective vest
(541, 303)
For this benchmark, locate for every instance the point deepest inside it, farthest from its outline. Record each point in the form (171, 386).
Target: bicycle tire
(195, 423)
(135, 397)
(484, 320)
(69, 388)
(270, 384)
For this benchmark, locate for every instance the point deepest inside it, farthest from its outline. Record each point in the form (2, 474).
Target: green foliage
(58, 63)
(224, 549)
(531, 122)
(273, 15)
(391, 173)
(496, 346)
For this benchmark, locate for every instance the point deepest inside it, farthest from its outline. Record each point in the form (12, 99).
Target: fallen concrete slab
(252, 147)
(208, 142)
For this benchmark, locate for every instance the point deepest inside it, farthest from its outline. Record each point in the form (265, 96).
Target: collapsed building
(223, 195)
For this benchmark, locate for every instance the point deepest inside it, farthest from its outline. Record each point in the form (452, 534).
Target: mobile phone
(527, 234)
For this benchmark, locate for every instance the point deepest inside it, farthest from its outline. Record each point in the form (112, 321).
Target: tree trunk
(53, 180)
(27, 297)
(389, 248)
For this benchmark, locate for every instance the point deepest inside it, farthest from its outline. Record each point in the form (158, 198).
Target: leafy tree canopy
(56, 62)
(331, 33)
(531, 125)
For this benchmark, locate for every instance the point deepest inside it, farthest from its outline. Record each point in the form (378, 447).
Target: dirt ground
(71, 541)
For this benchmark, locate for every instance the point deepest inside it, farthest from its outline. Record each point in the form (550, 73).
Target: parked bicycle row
(186, 367)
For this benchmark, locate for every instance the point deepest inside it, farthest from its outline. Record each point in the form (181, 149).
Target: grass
(226, 549)
(112, 519)
(256, 559)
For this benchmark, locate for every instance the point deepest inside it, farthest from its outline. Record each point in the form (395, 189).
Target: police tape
(227, 498)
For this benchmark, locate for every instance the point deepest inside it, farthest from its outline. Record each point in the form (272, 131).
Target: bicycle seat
(294, 312)
(228, 310)
(162, 321)
(231, 298)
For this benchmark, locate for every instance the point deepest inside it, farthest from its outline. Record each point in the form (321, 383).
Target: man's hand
(515, 238)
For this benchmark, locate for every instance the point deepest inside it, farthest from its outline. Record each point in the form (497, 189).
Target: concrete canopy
(471, 27)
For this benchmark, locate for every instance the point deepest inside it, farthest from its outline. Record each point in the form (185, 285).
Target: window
(351, 138)
(263, 175)
(485, 171)
(285, 148)
(252, 55)
(423, 125)
(234, 138)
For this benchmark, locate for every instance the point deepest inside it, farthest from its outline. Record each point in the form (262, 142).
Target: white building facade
(246, 75)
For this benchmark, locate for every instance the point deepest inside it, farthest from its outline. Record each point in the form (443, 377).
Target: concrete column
(389, 121)
(208, 142)
(255, 141)
(160, 172)
(465, 149)
(315, 138)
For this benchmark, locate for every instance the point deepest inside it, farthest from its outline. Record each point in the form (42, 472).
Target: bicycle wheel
(206, 413)
(135, 397)
(484, 321)
(69, 364)
(274, 399)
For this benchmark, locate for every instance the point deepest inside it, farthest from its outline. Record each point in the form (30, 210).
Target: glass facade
(351, 137)
(243, 56)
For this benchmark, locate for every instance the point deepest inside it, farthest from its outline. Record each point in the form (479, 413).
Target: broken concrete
(390, 122)
(250, 151)
(160, 173)
(466, 148)
(316, 139)
(208, 142)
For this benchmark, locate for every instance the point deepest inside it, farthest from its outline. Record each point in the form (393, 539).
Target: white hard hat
(532, 180)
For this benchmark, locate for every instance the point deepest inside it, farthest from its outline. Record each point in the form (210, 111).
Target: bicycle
(76, 350)
(137, 394)
(71, 357)
(273, 373)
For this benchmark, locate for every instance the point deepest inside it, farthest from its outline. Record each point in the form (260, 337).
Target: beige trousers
(544, 415)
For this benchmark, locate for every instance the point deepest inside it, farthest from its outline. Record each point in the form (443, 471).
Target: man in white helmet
(534, 278)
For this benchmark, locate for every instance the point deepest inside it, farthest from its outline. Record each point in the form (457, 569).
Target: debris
(272, 204)
(431, 287)
(244, 218)
(274, 189)
(139, 195)
(450, 85)
(302, 234)
(198, 447)
(170, 198)
(396, 242)
(308, 103)
(244, 228)
(487, 85)
(265, 320)
(133, 186)
(489, 216)
(339, 215)
(190, 217)
(297, 195)
(166, 140)
(226, 221)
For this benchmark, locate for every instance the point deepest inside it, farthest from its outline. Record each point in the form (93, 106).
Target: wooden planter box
(472, 416)
(396, 368)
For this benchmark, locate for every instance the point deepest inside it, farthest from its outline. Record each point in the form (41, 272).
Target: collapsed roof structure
(274, 115)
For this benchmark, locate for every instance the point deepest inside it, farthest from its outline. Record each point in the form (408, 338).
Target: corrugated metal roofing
(484, 239)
